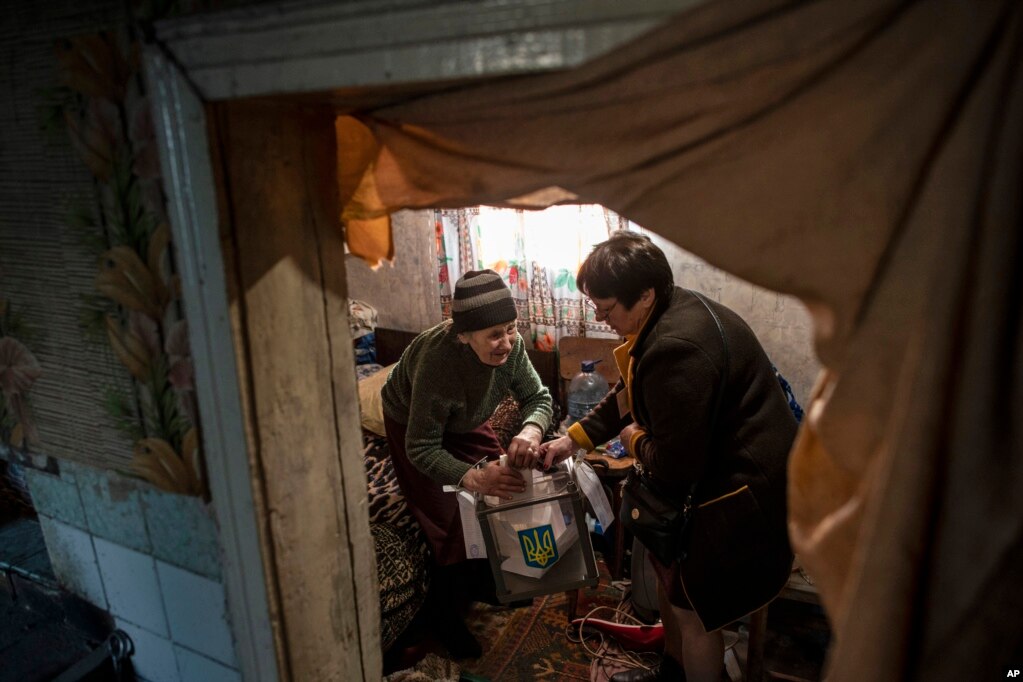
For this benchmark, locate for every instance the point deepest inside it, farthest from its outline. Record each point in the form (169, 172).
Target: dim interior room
(769, 139)
(302, 302)
(538, 252)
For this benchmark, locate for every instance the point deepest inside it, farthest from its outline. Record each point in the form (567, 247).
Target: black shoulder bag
(654, 518)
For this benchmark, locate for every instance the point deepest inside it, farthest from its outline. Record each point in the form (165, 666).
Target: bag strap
(724, 373)
(691, 494)
(721, 385)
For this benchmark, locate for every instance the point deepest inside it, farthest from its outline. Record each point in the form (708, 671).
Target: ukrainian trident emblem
(538, 546)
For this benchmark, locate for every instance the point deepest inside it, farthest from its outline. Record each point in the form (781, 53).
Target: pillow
(371, 407)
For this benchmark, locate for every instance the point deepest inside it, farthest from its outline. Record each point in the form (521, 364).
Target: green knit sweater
(440, 386)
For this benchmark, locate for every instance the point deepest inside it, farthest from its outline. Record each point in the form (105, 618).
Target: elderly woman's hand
(525, 447)
(494, 479)
(556, 450)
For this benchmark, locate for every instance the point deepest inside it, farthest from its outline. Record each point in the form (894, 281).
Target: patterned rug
(528, 643)
(531, 643)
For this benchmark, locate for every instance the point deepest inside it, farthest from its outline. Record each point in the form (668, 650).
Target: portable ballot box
(538, 543)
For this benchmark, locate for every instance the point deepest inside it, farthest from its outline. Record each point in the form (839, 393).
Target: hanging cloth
(862, 156)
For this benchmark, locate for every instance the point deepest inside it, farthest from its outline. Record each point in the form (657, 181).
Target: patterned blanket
(401, 550)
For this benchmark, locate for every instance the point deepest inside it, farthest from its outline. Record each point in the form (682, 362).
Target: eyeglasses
(600, 314)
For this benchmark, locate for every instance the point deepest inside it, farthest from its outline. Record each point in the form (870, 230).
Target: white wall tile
(197, 667)
(129, 578)
(154, 657)
(74, 560)
(196, 612)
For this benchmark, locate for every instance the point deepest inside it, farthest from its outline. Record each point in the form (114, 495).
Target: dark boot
(668, 670)
(457, 639)
(477, 582)
(445, 603)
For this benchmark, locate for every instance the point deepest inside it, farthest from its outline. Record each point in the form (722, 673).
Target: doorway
(253, 212)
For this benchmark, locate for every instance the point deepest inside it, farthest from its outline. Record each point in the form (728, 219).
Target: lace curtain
(538, 253)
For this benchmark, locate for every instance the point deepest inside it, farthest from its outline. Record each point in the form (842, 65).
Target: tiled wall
(150, 558)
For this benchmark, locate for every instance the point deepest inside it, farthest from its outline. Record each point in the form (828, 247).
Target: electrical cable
(645, 660)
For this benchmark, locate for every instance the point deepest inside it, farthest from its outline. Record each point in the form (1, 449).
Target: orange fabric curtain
(863, 156)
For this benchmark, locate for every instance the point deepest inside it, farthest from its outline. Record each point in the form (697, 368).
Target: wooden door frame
(315, 51)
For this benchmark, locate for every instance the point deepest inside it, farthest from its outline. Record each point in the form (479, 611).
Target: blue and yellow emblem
(539, 549)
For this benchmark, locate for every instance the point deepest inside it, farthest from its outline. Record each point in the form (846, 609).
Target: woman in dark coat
(672, 364)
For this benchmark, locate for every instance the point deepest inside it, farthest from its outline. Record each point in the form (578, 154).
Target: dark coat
(738, 556)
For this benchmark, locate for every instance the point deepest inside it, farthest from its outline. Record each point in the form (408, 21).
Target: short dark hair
(625, 266)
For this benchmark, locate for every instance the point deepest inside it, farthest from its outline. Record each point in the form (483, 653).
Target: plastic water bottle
(586, 389)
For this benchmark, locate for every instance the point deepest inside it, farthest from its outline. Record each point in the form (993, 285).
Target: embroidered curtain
(538, 253)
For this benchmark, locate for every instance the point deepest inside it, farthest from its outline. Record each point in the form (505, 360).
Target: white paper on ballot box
(548, 546)
(564, 531)
(564, 541)
(475, 548)
(594, 491)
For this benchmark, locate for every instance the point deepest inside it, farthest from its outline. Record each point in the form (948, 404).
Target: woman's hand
(525, 447)
(494, 479)
(626, 437)
(554, 451)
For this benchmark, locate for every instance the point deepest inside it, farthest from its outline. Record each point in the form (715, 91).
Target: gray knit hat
(481, 300)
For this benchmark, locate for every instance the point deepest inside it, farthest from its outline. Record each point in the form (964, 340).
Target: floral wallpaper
(19, 369)
(136, 306)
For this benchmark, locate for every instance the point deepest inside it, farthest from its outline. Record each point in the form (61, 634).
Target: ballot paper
(475, 548)
(540, 551)
(587, 479)
(534, 538)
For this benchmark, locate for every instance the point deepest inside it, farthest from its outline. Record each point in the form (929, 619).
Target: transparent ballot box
(538, 542)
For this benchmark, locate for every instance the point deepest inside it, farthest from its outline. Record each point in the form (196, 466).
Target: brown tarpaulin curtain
(863, 156)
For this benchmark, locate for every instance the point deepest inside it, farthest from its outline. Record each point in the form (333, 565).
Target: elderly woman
(437, 401)
(666, 411)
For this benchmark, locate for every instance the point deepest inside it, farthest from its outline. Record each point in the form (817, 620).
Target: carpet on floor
(534, 643)
(529, 643)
